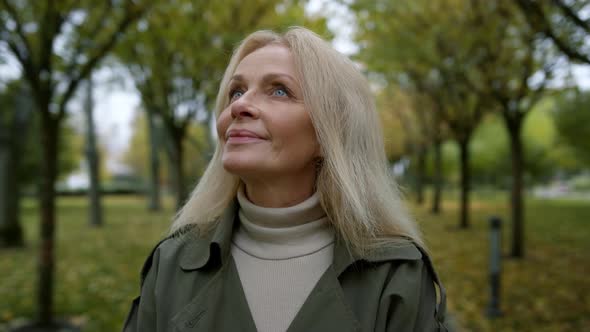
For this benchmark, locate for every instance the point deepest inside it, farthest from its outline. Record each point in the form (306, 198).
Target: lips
(241, 133)
(242, 136)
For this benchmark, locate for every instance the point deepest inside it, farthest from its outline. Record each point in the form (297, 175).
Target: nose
(244, 107)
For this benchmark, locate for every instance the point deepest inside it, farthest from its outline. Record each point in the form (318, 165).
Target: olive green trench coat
(190, 283)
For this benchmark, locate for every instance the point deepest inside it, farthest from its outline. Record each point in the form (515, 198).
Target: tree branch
(102, 51)
(24, 59)
(79, 48)
(527, 71)
(537, 20)
(569, 13)
(50, 27)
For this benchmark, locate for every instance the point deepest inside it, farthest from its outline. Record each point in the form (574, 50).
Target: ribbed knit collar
(282, 233)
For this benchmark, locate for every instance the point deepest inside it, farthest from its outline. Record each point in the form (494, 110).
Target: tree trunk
(438, 177)
(420, 173)
(516, 199)
(180, 184)
(11, 234)
(175, 154)
(49, 139)
(95, 211)
(154, 201)
(12, 137)
(5, 174)
(465, 182)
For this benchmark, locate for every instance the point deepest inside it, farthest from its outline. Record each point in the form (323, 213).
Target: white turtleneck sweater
(280, 254)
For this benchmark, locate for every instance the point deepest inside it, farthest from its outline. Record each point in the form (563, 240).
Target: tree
(562, 22)
(154, 202)
(417, 126)
(397, 135)
(137, 154)
(461, 110)
(57, 44)
(545, 156)
(139, 151)
(408, 129)
(572, 115)
(513, 59)
(93, 158)
(431, 57)
(439, 135)
(19, 157)
(15, 121)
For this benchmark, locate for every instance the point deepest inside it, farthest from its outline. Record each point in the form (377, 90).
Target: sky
(116, 100)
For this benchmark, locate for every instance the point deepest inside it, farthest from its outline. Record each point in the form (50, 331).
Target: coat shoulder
(396, 251)
(407, 280)
(171, 248)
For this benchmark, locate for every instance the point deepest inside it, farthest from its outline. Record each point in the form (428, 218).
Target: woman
(295, 224)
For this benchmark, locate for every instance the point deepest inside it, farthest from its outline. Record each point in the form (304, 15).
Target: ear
(318, 151)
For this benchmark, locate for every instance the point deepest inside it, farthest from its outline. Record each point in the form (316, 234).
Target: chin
(241, 167)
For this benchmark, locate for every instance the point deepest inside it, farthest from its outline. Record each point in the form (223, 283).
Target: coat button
(193, 322)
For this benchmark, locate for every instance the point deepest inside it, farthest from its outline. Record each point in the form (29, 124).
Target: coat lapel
(325, 309)
(220, 306)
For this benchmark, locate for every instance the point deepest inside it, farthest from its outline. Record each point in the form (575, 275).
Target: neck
(277, 194)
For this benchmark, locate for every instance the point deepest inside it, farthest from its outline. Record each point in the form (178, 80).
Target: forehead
(270, 58)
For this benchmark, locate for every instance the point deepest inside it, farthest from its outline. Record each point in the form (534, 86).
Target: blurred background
(106, 125)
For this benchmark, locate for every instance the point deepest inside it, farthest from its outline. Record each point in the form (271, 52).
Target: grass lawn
(549, 290)
(98, 269)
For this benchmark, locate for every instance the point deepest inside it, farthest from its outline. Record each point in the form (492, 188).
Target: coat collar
(343, 257)
(199, 250)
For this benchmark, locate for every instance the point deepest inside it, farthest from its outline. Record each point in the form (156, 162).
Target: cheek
(298, 136)
(311, 142)
(223, 122)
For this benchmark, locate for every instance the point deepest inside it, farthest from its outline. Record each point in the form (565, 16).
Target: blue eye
(280, 92)
(235, 94)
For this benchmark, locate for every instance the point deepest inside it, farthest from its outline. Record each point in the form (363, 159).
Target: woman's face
(266, 131)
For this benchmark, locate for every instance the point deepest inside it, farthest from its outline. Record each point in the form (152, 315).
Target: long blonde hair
(355, 186)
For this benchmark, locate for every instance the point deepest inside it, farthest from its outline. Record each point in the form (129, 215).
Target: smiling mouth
(243, 139)
(242, 136)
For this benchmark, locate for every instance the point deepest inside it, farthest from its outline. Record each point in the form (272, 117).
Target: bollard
(495, 267)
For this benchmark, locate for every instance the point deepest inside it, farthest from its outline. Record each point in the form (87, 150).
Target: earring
(319, 162)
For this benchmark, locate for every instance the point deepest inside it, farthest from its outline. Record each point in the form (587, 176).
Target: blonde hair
(355, 186)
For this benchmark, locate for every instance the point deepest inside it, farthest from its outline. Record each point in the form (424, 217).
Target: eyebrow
(265, 78)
